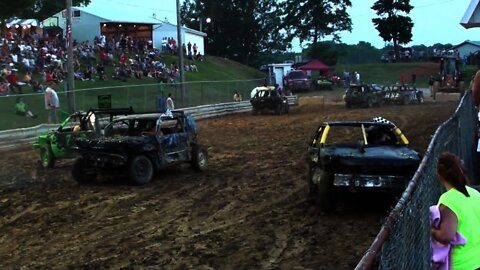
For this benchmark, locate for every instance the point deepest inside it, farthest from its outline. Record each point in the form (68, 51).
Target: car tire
(78, 172)
(369, 103)
(405, 100)
(140, 170)
(286, 108)
(254, 111)
(348, 105)
(380, 102)
(47, 158)
(199, 158)
(326, 198)
(312, 187)
(279, 109)
(420, 98)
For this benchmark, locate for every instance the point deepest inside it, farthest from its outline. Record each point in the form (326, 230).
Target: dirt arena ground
(248, 211)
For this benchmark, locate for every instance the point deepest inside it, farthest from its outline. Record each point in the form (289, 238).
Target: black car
(356, 156)
(366, 95)
(403, 94)
(267, 99)
(139, 145)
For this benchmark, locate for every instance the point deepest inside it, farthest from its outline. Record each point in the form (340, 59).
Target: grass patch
(389, 73)
(216, 81)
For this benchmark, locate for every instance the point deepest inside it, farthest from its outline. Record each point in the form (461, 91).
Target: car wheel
(420, 98)
(287, 108)
(326, 198)
(254, 111)
(140, 170)
(312, 187)
(279, 109)
(369, 103)
(78, 172)
(348, 105)
(47, 158)
(199, 158)
(405, 100)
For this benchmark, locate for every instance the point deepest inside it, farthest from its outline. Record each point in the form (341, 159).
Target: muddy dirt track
(248, 211)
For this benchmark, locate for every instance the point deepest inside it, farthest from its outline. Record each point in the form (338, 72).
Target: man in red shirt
(14, 81)
(123, 59)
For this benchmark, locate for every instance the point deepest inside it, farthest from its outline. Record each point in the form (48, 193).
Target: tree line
(250, 31)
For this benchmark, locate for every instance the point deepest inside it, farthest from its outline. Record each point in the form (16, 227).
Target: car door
(176, 143)
(64, 138)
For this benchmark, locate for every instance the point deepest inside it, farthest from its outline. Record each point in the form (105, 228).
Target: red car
(297, 80)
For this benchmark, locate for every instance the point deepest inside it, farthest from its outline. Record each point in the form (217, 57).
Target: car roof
(149, 116)
(266, 88)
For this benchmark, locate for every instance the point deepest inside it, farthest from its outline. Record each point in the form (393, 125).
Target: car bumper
(369, 181)
(298, 86)
(354, 99)
(104, 160)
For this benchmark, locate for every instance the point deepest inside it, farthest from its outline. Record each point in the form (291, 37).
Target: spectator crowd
(43, 57)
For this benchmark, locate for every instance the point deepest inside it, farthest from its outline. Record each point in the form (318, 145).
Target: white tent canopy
(21, 22)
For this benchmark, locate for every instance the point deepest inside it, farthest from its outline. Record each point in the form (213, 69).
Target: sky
(435, 21)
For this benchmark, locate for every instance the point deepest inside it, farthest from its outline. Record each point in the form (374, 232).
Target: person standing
(357, 77)
(431, 81)
(52, 103)
(237, 97)
(195, 49)
(459, 211)
(169, 102)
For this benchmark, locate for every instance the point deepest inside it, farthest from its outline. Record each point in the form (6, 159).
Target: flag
(68, 34)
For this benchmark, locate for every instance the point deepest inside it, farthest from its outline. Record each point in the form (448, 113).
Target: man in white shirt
(52, 103)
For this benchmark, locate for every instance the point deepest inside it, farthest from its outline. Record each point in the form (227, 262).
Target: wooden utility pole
(180, 52)
(69, 40)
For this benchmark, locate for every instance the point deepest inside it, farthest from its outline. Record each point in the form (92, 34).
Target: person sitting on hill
(237, 97)
(37, 86)
(3, 88)
(101, 72)
(21, 109)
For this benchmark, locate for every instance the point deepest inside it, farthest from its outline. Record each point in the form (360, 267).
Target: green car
(324, 84)
(57, 144)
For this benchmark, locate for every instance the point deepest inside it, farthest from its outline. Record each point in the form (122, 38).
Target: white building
(467, 47)
(276, 72)
(139, 18)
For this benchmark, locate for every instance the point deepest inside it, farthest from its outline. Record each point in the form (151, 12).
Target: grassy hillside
(141, 93)
(213, 69)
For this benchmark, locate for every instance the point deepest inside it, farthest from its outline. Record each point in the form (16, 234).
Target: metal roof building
(139, 18)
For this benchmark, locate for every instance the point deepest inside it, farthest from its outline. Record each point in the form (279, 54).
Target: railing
(404, 239)
(11, 139)
(141, 97)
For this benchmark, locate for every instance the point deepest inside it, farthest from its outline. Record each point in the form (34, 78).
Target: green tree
(392, 24)
(10, 9)
(325, 52)
(36, 9)
(361, 53)
(311, 20)
(239, 29)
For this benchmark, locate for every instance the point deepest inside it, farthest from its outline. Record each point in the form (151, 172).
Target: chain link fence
(143, 98)
(404, 239)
